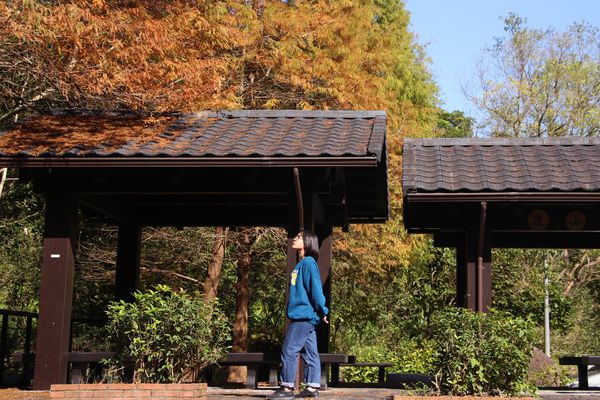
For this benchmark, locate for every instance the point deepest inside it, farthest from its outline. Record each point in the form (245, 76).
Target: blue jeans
(300, 338)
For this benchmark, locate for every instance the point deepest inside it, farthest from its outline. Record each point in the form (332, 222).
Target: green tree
(454, 124)
(21, 230)
(541, 83)
(524, 297)
(544, 83)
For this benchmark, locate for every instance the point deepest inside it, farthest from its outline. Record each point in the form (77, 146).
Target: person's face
(298, 243)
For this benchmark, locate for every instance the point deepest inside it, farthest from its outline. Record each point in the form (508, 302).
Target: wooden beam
(526, 240)
(128, 261)
(167, 180)
(567, 217)
(56, 291)
(108, 206)
(546, 240)
(223, 215)
(449, 239)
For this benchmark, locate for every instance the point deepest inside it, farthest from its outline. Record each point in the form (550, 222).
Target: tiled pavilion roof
(214, 167)
(501, 165)
(234, 134)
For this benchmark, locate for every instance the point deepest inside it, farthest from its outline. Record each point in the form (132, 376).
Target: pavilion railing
(16, 349)
(26, 344)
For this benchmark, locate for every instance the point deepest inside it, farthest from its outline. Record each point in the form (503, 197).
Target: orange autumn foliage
(190, 55)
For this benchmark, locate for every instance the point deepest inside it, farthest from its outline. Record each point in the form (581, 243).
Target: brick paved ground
(16, 394)
(333, 394)
(379, 394)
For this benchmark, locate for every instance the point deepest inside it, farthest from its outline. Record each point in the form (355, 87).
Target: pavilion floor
(215, 393)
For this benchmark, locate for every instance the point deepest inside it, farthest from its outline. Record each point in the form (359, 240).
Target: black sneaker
(309, 393)
(282, 394)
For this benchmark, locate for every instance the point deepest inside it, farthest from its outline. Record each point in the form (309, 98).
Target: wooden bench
(335, 370)
(582, 363)
(80, 362)
(254, 360)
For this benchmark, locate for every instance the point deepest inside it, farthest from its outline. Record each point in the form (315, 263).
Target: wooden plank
(242, 358)
(259, 357)
(571, 360)
(333, 358)
(365, 364)
(592, 360)
(92, 356)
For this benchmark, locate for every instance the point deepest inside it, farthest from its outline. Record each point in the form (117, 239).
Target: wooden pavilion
(226, 168)
(477, 194)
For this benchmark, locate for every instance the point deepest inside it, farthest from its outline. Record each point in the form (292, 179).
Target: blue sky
(455, 33)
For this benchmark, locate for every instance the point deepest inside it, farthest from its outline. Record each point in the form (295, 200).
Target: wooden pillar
(56, 291)
(128, 261)
(462, 278)
(325, 253)
(468, 273)
(486, 276)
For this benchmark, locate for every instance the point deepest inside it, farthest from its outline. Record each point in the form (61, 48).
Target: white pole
(546, 310)
(3, 172)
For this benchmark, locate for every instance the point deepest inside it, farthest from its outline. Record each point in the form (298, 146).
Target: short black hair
(311, 244)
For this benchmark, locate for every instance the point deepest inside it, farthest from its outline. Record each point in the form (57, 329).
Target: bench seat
(335, 370)
(254, 360)
(582, 363)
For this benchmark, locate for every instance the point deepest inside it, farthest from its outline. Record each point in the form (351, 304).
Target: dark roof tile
(501, 165)
(226, 133)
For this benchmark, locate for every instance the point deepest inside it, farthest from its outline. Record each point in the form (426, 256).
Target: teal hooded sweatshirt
(307, 302)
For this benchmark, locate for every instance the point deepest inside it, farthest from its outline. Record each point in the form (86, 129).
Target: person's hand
(325, 319)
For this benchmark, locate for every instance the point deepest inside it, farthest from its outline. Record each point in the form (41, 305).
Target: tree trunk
(211, 284)
(238, 374)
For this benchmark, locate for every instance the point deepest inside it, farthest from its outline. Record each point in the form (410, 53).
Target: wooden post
(462, 288)
(128, 262)
(27, 353)
(468, 274)
(325, 253)
(56, 291)
(3, 345)
(486, 278)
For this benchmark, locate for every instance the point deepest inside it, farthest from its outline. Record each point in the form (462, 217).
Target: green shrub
(481, 353)
(164, 335)
(364, 374)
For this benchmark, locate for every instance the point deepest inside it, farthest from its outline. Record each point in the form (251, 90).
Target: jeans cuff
(287, 385)
(314, 385)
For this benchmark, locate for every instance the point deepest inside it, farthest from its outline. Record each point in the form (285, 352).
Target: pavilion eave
(501, 197)
(187, 162)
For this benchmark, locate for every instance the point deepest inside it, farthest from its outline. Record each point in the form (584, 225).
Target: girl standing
(305, 309)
